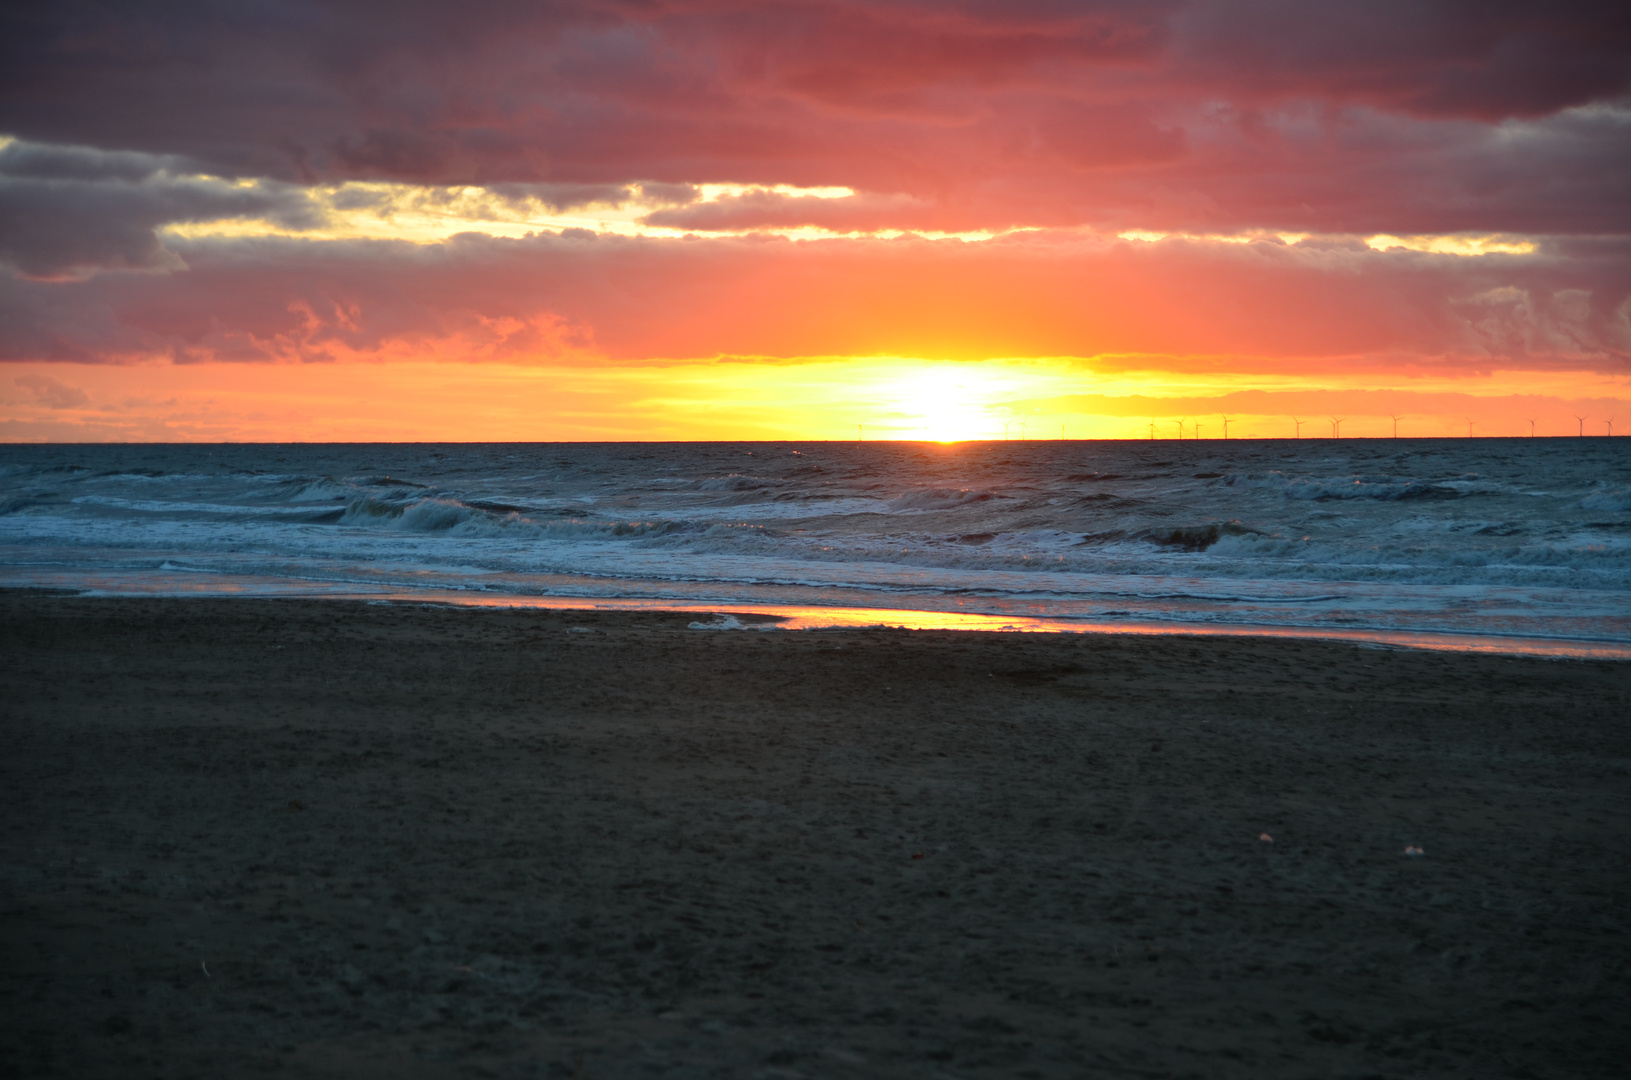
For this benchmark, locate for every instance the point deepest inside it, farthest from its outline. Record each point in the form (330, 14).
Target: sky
(699, 219)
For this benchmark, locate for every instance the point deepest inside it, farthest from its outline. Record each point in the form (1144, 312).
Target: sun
(946, 406)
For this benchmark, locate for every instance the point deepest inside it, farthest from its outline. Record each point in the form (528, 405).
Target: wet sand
(323, 838)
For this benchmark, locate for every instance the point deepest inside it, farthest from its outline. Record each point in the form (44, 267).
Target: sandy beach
(335, 839)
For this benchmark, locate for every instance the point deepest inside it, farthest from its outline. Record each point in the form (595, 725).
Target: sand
(323, 838)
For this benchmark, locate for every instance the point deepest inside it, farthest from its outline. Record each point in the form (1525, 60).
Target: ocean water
(1515, 539)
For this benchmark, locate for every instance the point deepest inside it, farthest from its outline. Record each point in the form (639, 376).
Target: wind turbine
(1225, 427)
(1582, 420)
(1469, 427)
(1061, 431)
(1396, 420)
(1336, 427)
(1181, 427)
(1299, 424)
(1197, 429)
(1152, 430)
(1531, 429)
(1022, 431)
(860, 429)
(1005, 430)
(1610, 423)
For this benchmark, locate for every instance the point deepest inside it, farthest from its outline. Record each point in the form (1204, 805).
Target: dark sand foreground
(335, 839)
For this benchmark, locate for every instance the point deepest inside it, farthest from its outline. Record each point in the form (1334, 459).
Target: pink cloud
(1189, 305)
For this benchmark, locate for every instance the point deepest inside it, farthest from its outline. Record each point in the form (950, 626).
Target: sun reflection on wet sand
(738, 616)
(818, 618)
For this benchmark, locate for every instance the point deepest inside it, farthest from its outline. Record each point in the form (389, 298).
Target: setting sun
(949, 405)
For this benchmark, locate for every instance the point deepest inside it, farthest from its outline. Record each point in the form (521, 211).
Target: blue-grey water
(1519, 537)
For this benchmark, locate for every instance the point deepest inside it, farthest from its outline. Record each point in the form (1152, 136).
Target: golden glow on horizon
(825, 399)
(944, 405)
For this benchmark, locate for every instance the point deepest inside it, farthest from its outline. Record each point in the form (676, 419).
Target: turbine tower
(1396, 420)
(1336, 427)
(1582, 431)
(1225, 427)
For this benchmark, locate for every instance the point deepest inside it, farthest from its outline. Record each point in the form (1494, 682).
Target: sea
(1514, 545)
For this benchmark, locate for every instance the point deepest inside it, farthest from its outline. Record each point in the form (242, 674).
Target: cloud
(141, 127)
(1208, 115)
(1177, 304)
(31, 161)
(1472, 59)
(767, 209)
(52, 393)
(65, 211)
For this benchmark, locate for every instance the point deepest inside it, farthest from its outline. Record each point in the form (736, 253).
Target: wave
(1360, 487)
(1193, 537)
(733, 482)
(940, 499)
(9, 471)
(301, 490)
(1611, 499)
(1189, 538)
(1331, 524)
(456, 518)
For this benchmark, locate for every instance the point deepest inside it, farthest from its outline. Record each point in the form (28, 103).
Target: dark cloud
(33, 161)
(1208, 114)
(1480, 59)
(656, 194)
(560, 198)
(68, 211)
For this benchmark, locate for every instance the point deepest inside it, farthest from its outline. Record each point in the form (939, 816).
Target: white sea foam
(1614, 500)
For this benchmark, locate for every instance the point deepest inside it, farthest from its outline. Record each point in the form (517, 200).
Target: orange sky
(770, 220)
(826, 399)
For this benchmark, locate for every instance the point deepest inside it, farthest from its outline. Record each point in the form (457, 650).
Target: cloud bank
(1265, 306)
(178, 172)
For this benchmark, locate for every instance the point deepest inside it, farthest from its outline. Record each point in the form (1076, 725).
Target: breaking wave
(941, 499)
(1359, 487)
(455, 518)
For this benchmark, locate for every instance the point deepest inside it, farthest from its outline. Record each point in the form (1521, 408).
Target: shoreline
(807, 617)
(348, 839)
